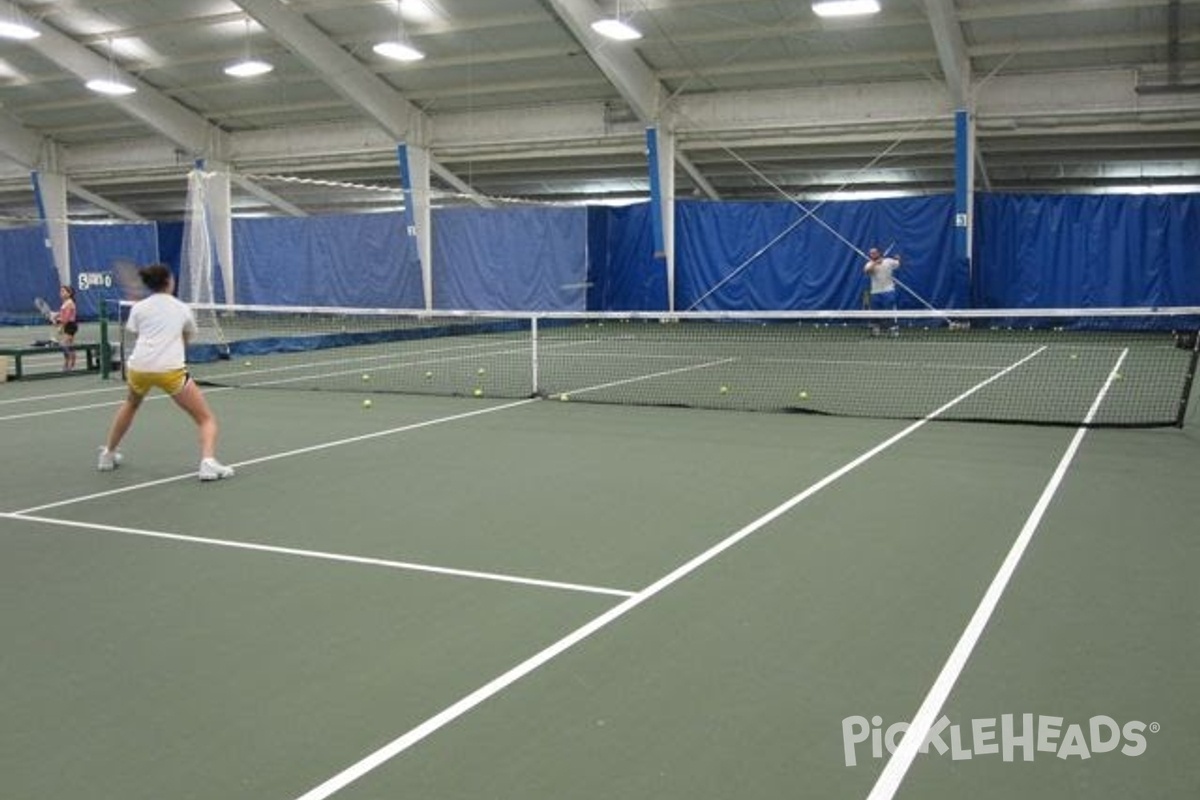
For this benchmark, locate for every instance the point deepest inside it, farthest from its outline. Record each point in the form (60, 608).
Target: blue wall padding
(361, 261)
(527, 259)
(170, 244)
(1093, 251)
(26, 272)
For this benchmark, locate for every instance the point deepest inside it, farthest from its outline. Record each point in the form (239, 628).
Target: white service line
(323, 555)
(503, 681)
(37, 398)
(663, 374)
(897, 766)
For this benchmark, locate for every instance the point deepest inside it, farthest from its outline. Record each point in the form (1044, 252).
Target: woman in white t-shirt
(163, 325)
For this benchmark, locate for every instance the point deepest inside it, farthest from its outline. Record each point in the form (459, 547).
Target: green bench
(91, 351)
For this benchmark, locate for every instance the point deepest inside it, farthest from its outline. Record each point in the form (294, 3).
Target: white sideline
(897, 766)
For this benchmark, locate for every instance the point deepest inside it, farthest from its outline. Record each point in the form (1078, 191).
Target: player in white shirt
(883, 286)
(163, 325)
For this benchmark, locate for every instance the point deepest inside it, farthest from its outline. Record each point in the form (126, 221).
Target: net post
(1188, 380)
(533, 349)
(105, 346)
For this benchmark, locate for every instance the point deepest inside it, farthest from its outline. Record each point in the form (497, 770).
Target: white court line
(35, 398)
(825, 362)
(275, 456)
(897, 767)
(599, 386)
(70, 409)
(503, 681)
(324, 555)
(426, 356)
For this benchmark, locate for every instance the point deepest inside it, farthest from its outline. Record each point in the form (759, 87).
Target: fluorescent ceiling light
(248, 68)
(113, 88)
(845, 8)
(15, 30)
(400, 51)
(615, 29)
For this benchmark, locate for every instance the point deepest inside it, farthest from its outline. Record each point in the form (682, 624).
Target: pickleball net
(1040, 366)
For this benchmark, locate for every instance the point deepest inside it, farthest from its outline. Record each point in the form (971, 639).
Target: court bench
(16, 355)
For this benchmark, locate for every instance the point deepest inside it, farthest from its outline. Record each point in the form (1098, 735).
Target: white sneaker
(213, 470)
(109, 460)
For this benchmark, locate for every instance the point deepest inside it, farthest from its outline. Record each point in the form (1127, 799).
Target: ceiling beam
(625, 69)
(33, 152)
(338, 69)
(20, 144)
(153, 108)
(622, 66)
(951, 49)
(403, 121)
(116, 209)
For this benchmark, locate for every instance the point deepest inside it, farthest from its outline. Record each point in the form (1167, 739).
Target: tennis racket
(127, 279)
(45, 310)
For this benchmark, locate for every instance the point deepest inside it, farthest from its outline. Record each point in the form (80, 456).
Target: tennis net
(1105, 367)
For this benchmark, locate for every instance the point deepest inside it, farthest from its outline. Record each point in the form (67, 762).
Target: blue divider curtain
(353, 261)
(756, 256)
(510, 259)
(1070, 251)
(1031, 252)
(623, 274)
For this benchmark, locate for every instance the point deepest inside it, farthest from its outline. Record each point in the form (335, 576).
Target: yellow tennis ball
(804, 395)
(428, 375)
(724, 389)
(482, 371)
(366, 377)
(367, 403)
(478, 392)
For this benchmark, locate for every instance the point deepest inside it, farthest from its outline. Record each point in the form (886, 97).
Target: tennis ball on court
(478, 392)
(804, 395)
(724, 390)
(428, 375)
(481, 371)
(366, 377)
(246, 364)
(1074, 356)
(366, 403)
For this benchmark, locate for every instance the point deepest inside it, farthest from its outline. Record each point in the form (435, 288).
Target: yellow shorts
(171, 382)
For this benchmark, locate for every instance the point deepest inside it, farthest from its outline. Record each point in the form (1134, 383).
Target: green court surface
(454, 598)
